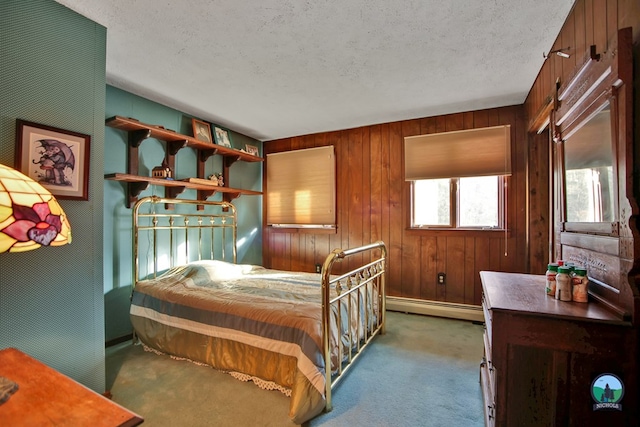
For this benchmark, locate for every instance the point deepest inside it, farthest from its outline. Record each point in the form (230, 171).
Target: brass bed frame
(214, 225)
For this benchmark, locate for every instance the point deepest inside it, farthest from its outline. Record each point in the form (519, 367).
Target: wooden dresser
(542, 355)
(46, 397)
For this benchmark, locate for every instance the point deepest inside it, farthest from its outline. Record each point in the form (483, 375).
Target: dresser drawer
(488, 361)
(488, 396)
(487, 349)
(487, 317)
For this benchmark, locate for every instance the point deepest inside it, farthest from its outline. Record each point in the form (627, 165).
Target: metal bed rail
(355, 289)
(203, 220)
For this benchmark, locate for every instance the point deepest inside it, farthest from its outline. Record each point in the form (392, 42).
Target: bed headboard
(192, 230)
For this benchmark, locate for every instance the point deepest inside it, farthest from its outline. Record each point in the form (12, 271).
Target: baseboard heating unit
(436, 308)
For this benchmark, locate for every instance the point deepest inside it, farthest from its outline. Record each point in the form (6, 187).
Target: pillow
(218, 270)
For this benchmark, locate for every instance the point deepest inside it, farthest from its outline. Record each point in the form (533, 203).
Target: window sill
(304, 230)
(470, 232)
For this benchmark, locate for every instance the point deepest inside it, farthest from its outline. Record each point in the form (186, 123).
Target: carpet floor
(422, 372)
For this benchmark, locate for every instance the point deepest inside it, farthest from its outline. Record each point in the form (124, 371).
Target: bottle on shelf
(580, 285)
(563, 284)
(550, 286)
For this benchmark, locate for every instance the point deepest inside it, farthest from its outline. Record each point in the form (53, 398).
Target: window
(469, 202)
(301, 188)
(457, 178)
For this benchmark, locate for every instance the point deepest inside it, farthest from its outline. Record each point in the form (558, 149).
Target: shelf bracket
(205, 194)
(133, 190)
(204, 155)
(173, 192)
(136, 137)
(229, 160)
(228, 197)
(174, 146)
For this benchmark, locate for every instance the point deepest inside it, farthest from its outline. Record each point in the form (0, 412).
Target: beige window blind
(473, 152)
(301, 188)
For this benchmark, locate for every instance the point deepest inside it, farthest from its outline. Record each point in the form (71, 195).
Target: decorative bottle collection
(567, 282)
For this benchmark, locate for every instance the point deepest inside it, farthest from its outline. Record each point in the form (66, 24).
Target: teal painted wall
(52, 71)
(117, 217)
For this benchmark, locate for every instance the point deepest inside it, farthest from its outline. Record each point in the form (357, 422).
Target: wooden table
(46, 398)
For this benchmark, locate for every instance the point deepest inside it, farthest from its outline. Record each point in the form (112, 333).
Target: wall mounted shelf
(138, 132)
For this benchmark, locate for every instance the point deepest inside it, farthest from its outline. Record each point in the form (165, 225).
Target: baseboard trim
(436, 308)
(118, 340)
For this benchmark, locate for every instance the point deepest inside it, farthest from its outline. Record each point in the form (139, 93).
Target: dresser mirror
(585, 132)
(593, 197)
(590, 188)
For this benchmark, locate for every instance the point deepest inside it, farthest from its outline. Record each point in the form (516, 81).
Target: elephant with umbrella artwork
(57, 162)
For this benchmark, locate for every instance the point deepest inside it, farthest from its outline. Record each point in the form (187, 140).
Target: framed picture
(251, 149)
(222, 137)
(56, 158)
(201, 130)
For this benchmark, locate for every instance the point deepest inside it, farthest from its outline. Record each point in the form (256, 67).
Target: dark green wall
(117, 217)
(52, 71)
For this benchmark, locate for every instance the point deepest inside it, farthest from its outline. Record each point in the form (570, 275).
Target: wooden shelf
(137, 184)
(138, 132)
(167, 135)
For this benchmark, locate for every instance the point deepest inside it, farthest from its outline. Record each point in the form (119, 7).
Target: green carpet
(422, 372)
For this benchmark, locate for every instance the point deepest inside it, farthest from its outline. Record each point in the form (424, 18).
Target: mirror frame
(592, 87)
(607, 249)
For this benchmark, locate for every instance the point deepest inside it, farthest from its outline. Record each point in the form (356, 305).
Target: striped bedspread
(241, 318)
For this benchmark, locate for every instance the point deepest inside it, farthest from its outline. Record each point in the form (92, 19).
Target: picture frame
(201, 131)
(222, 137)
(56, 158)
(252, 149)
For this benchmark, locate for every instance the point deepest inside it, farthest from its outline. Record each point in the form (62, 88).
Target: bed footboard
(360, 293)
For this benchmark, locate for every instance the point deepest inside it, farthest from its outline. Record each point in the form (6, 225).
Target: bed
(296, 332)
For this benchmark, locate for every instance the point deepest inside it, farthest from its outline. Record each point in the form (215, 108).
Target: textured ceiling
(277, 68)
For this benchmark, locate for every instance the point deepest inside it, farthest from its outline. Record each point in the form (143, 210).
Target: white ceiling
(277, 68)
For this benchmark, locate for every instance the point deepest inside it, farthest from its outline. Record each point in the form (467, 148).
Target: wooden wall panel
(578, 49)
(411, 283)
(373, 204)
(469, 265)
(394, 243)
(629, 15)
(376, 171)
(455, 268)
(428, 268)
(588, 22)
(441, 266)
(567, 37)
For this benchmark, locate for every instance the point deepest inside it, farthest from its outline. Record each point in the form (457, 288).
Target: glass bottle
(550, 286)
(580, 286)
(563, 284)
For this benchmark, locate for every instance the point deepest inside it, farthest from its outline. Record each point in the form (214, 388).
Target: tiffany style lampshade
(30, 216)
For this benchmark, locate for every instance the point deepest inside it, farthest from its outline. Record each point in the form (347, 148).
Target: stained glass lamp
(30, 216)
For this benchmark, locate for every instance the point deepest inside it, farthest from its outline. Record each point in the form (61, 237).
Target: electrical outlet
(442, 278)
(318, 268)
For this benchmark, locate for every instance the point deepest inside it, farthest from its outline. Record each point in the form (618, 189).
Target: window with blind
(301, 188)
(458, 178)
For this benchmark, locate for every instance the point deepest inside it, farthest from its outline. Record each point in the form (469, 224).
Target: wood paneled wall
(373, 204)
(373, 198)
(591, 22)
